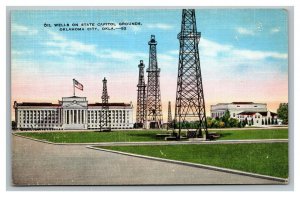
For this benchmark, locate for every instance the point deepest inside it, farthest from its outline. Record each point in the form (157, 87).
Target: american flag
(77, 84)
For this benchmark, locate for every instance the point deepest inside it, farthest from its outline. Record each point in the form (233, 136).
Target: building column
(83, 117)
(72, 116)
(65, 116)
(75, 116)
(67, 113)
(39, 119)
(58, 116)
(51, 117)
(44, 119)
(78, 116)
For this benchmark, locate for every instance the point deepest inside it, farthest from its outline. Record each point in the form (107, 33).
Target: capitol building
(71, 113)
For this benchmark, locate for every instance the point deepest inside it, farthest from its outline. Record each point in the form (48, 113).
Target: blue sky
(241, 48)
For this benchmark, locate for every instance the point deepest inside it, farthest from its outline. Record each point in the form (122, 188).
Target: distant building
(258, 118)
(255, 114)
(71, 113)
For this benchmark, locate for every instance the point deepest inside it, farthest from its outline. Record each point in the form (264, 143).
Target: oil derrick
(105, 119)
(141, 97)
(169, 116)
(190, 105)
(154, 108)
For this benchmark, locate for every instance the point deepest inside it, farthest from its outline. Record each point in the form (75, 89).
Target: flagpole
(73, 87)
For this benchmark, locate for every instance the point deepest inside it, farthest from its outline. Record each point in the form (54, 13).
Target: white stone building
(258, 118)
(71, 113)
(256, 114)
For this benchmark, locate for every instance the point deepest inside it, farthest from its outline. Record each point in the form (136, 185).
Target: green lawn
(263, 158)
(88, 137)
(148, 135)
(253, 134)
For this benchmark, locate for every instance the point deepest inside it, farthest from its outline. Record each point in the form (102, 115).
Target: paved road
(37, 163)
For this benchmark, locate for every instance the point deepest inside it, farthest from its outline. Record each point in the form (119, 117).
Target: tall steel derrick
(190, 105)
(105, 119)
(169, 116)
(154, 108)
(141, 97)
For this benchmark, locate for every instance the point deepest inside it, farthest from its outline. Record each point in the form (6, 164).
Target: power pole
(169, 116)
(190, 105)
(141, 97)
(105, 119)
(154, 108)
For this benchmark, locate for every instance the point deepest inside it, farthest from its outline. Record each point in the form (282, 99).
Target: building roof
(265, 113)
(247, 113)
(109, 104)
(261, 113)
(242, 103)
(44, 104)
(239, 103)
(37, 104)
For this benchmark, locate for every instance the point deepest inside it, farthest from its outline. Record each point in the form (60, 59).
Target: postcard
(142, 96)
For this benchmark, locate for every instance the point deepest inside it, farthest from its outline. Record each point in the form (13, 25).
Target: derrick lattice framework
(141, 97)
(190, 105)
(105, 119)
(169, 115)
(154, 108)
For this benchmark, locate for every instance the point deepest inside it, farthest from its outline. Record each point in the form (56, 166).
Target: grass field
(265, 158)
(149, 135)
(253, 134)
(88, 137)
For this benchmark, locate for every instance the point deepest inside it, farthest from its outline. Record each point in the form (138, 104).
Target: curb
(154, 143)
(29, 138)
(272, 178)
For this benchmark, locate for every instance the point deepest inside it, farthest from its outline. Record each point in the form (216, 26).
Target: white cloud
(275, 30)
(23, 30)
(135, 29)
(55, 36)
(213, 49)
(210, 48)
(60, 45)
(162, 26)
(173, 52)
(258, 55)
(19, 53)
(244, 31)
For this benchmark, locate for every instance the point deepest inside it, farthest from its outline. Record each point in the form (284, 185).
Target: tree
(282, 112)
(233, 122)
(221, 124)
(245, 121)
(209, 121)
(226, 118)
